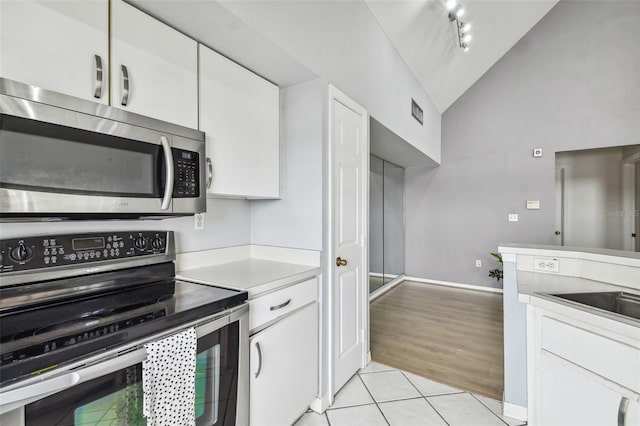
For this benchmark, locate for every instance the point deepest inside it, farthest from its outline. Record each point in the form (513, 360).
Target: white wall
(226, 224)
(593, 198)
(342, 42)
(295, 221)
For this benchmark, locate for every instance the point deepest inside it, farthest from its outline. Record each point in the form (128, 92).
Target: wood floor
(450, 335)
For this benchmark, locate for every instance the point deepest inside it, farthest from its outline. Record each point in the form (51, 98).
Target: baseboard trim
(452, 284)
(320, 404)
(385, 288)
(514, 411)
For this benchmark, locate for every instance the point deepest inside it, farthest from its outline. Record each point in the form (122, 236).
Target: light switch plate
(533, 205)
(513, 217)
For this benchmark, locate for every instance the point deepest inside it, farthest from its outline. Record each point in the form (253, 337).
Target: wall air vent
(416, 111)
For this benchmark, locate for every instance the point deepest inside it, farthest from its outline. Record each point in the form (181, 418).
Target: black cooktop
(42, 327)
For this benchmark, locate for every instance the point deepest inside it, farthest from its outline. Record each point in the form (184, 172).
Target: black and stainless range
(76, 312)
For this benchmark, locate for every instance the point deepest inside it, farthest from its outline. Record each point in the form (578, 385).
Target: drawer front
(273, 305)
(606, 357)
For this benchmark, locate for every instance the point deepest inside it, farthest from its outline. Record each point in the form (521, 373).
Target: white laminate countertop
(530, 283)
(257, 276)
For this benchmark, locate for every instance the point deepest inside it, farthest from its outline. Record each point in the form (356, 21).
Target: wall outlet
(513, 217)
(198, 221)
(546, 265)
(478, 263)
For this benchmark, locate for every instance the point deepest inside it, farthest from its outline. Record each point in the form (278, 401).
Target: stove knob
(140, 243)
(157, 243)
(21, 253)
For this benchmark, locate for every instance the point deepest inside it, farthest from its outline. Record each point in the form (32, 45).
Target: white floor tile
(429, 387)
(374, 367)
(353, 393)
(496, 407)
(389, 386)
(312, 419)
(411, 412)
(462, 409)
(364, 415)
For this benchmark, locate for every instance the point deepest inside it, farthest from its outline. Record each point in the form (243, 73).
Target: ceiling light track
(456, 11)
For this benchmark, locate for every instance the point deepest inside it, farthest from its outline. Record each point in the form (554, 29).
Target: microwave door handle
(168, 185)
(39, 389)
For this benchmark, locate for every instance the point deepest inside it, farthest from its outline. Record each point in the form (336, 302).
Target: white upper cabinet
(239, 112)
(153, 67)
(57, 45)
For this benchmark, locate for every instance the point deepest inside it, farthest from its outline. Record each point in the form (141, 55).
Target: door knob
(341, 262)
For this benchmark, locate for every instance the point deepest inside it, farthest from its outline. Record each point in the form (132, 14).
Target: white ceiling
(426, 40)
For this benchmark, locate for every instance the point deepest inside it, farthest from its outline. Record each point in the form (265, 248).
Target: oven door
(110, 392)
(55, 162)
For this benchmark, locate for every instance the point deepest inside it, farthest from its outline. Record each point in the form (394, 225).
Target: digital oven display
(186, 155)
(88, 243)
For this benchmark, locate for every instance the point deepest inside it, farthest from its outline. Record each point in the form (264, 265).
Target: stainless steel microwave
(66, 158)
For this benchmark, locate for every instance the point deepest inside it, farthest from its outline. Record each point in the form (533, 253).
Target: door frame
(329, 244)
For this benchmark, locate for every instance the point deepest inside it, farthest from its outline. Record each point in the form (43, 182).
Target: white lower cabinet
(284, 372)
(570, 396)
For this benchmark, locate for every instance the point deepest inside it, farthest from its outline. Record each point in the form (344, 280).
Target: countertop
(257, 276)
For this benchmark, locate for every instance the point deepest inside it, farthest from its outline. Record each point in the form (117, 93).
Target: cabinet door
(284, 369)
(161, 65)
(571, 396)
(52, 45)
(239, 112)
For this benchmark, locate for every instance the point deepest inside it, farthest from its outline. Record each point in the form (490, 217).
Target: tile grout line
(374, 401)
(425, 398)
(485, 406)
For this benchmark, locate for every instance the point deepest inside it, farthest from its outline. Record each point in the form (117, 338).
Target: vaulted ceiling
(427, 41)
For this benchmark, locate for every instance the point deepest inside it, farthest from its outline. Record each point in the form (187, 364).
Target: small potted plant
(496, 273)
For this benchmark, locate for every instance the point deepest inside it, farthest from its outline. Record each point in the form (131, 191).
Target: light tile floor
(385, 396)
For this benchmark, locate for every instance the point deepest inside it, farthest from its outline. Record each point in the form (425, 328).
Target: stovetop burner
(51, 323)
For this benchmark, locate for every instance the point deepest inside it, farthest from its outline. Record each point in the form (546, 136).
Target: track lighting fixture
(456, 11)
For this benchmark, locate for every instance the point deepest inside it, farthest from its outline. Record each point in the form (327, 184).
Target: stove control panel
(23, 254)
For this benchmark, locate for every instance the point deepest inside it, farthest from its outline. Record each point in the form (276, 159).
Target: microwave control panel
(187, 173)
(25, 254)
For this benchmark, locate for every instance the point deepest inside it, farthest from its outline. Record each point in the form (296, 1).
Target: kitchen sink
(621, 303)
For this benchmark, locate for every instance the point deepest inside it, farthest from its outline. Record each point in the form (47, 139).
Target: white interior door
(350, 145)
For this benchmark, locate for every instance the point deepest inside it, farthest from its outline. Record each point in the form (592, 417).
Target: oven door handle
(168, 185)
(40, 389)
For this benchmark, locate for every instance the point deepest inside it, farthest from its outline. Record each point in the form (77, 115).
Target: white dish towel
(168, 380)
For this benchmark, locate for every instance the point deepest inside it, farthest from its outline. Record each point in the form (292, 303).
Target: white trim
(385, 288)
(509, 257)
(320, 403)
(451, 284)
(514, 411)
(379, 275)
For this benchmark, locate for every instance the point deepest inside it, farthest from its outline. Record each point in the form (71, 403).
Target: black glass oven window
(52, 158)
(113, 399)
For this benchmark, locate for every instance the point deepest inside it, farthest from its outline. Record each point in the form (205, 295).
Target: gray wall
(226, 224)
(572, 82)
(295, 221)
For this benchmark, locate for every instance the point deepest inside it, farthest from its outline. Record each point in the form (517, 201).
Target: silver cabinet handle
(280, 306)
(98, 92)
(622, 411)
(259, 359)
(209, 172)
(168, 158)
(125, 85)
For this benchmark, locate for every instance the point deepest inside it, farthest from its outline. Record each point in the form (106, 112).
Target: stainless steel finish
(620, 303)
(98, 92)
(259, 359)
(57, 272)
(125, 85)
(280, 306)
(622, 411)
(25, 96)
(168, 159)
(209, 172)
(119, 358)
(31, 102)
